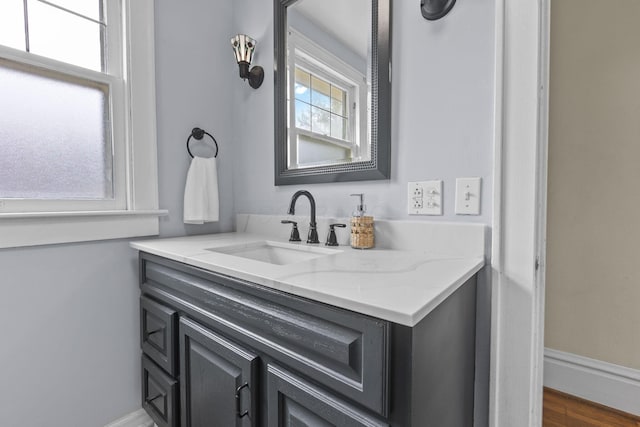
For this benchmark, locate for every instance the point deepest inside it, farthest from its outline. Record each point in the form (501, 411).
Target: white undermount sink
(275, 252)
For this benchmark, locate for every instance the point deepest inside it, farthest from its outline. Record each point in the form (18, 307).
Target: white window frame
(131, 78)
(307, 55)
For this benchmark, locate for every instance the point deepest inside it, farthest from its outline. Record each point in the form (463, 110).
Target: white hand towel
(201, 203)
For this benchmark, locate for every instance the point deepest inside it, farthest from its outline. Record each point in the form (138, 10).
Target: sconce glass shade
(243, 48)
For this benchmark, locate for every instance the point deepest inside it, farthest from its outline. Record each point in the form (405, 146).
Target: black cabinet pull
(155, 331)
(151, 399)
(238, 390)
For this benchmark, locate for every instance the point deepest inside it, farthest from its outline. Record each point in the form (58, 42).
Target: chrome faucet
(313, 232)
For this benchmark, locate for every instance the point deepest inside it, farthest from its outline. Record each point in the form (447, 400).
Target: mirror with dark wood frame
(332, 90)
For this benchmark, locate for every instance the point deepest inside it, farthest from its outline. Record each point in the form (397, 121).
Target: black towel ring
(198, 134)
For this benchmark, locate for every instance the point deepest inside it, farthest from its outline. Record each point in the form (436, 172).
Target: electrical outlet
(425, 198)
(417, 202)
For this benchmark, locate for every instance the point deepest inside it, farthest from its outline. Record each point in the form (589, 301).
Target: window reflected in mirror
(326, 124)
(327, 83)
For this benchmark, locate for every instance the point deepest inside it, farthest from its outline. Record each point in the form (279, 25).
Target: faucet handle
(295, 234)
(332, 240)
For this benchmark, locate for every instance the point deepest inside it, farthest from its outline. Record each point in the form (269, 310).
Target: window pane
(89, 8)
(303, 115)
(60, 35)
(12, 24)
(338, 101)
(338, 127)
(54, 136)
(320, 93)
(302, 86)
(320, 121)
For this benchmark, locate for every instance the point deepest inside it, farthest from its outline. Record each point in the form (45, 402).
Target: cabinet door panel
(213, 374)
(296, 415)
(292, 402)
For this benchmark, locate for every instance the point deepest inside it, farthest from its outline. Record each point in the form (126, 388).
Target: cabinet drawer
(342, 350)
(292, 402)
(158, 334)
(159, 394)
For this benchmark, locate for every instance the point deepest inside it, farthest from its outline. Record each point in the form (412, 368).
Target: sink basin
(275, 252)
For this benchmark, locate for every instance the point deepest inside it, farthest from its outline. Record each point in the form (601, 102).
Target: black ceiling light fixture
(435, 9)
(243, 47)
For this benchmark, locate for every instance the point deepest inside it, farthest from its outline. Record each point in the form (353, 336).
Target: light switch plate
(424, 198)
(468, 196)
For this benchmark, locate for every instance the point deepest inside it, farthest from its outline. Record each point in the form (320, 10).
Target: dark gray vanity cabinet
(237, 354)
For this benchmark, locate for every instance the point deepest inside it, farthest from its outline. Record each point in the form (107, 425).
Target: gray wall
(70, 350)
(442, 114)
(69, 343)
(195, 76)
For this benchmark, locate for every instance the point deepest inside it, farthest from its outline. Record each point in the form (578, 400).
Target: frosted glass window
(12, 24)
(64, 36)
(55, 140)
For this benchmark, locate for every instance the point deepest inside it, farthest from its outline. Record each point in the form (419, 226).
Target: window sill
(46, 228)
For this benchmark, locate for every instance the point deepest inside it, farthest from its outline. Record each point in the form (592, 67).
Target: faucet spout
(313, 232)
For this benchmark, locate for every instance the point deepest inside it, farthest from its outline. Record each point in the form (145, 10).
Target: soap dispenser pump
(362, 232)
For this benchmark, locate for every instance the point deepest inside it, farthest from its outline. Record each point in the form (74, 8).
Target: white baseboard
(138, 418)
(601, 382)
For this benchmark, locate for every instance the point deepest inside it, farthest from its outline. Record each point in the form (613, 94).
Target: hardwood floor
(563, 410)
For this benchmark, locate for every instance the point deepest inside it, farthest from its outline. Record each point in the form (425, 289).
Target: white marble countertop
(401, 286)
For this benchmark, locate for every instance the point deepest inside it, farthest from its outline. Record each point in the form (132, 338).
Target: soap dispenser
(361, 226)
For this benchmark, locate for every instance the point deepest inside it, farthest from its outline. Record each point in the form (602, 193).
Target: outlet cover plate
(468, 196)
(424, 198)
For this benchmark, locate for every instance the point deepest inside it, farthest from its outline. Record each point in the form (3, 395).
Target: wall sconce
(243, 47)
(435, 9)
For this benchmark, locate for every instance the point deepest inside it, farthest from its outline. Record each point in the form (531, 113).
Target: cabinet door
(218, 380)
(292, 402)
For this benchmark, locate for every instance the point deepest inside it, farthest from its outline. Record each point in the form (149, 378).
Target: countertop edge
(405, 319)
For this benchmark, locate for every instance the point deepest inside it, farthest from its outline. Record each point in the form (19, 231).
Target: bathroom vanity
(345, 338)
